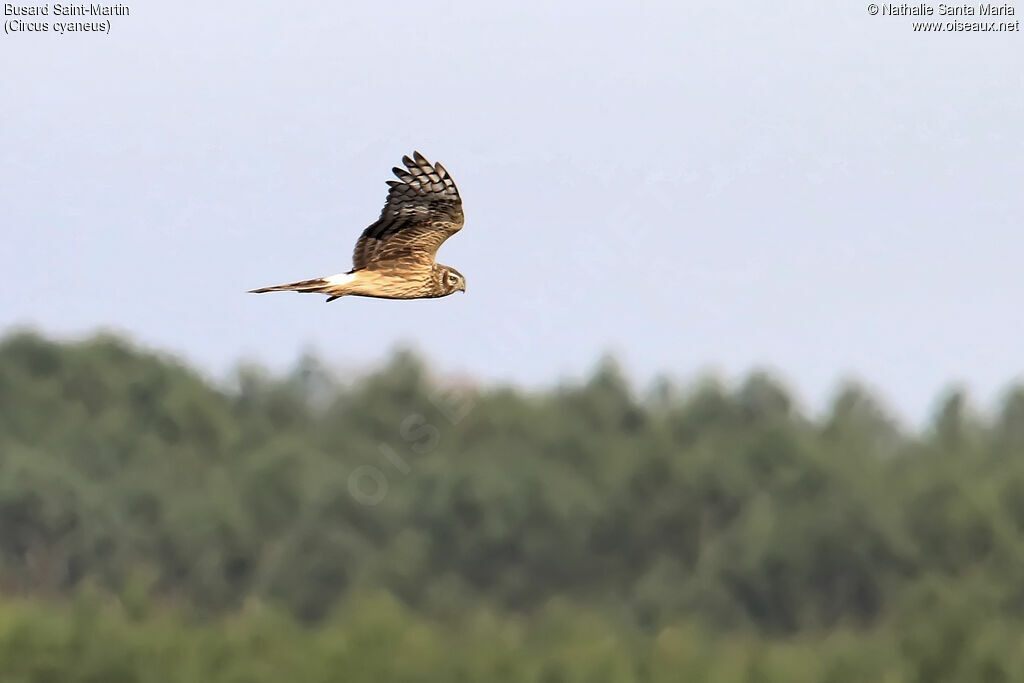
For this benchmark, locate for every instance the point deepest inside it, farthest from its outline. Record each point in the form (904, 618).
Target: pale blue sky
(797, 185)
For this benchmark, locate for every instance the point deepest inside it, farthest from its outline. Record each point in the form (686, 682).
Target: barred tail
(334, 286)
(314, 285)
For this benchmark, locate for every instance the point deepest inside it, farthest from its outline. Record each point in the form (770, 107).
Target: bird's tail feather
(318, 284)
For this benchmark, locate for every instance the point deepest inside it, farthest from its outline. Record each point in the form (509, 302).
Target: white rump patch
(340, 279)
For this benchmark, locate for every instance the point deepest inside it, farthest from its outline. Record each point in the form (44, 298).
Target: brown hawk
(394, 257)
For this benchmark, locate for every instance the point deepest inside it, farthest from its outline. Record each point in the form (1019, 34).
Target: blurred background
(734, 394)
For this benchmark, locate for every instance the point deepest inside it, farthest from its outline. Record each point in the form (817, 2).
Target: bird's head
(453, 280)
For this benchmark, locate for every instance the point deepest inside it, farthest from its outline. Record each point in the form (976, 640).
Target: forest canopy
(582, 531)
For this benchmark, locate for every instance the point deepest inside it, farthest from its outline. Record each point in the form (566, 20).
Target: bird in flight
(394, 257)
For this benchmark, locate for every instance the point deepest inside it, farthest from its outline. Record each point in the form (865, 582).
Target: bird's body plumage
(394, 257)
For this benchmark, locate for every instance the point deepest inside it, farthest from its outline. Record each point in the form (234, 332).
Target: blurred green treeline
(158, 526)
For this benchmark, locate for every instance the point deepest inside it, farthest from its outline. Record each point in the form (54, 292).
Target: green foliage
(372, 637)
(312, 526)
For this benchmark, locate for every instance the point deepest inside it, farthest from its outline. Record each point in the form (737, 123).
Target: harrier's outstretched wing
(423, 210)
